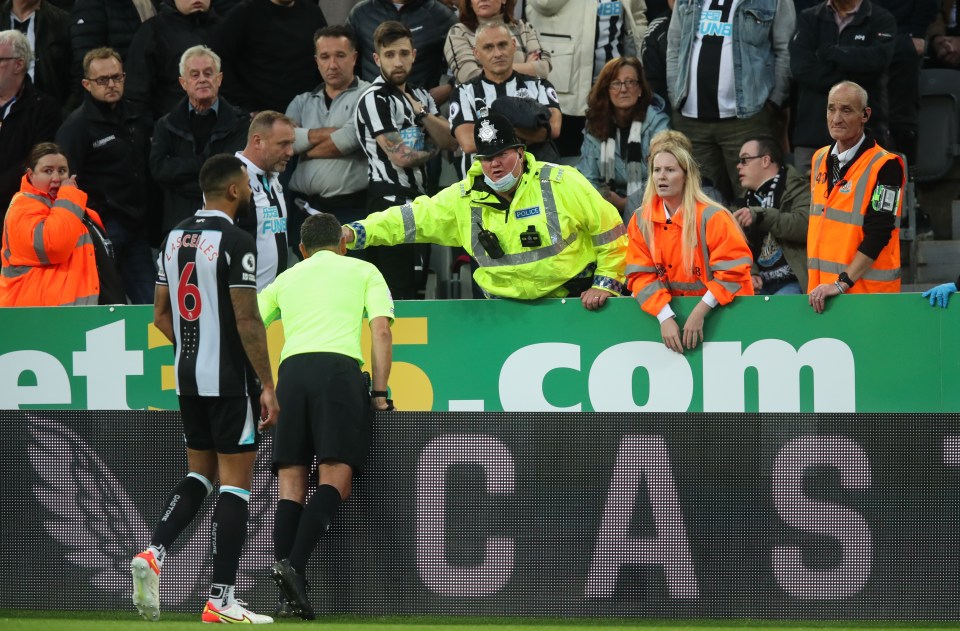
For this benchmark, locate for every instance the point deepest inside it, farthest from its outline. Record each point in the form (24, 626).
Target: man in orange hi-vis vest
(853, 243)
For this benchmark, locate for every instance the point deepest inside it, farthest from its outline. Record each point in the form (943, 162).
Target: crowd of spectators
(139, 93)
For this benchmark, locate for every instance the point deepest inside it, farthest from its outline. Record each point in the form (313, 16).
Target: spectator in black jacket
(29, 116)
(428, 20)
(48, 30)
(99, 23)
(201, 125)
(153, 63)
(913, 18)
(653, 52)
(106, 142)
(822, 55)
(267, 52)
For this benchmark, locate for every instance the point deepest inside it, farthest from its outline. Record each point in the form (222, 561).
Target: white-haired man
(201, 125)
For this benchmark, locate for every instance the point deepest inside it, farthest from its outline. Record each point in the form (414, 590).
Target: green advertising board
(882, 353)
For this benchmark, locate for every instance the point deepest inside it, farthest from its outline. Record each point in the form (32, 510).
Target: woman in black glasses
(623, 114)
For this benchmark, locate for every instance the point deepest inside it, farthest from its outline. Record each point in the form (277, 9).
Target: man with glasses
(107, 143)
(495, 49)
(537, 230)
(27, 115)
(774, 217)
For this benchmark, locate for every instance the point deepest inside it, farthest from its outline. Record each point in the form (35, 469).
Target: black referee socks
(314, 523)
(285, 524)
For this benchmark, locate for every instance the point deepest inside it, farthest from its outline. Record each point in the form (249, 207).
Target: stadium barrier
(881, 353)
(599, 514)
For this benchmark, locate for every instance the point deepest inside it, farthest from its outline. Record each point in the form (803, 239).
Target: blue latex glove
(940, 295)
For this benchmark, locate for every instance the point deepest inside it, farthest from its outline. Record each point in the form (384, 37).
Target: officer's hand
(940, 295)
(670, 332)
(594, 298)
(269, 409)
(818, 297)
(347, 234)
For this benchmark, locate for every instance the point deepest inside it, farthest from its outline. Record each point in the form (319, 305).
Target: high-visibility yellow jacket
(577, 228)
(721, 262)
(836, 224)
(47, 256)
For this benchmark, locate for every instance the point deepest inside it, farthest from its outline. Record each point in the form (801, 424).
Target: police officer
(537, 230)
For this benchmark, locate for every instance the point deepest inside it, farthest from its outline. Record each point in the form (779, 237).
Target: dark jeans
(134, 258)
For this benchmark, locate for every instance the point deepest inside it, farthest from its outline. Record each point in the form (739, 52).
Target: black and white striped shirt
(712, 95)
(200, 261)
(383, 108)
(480, 93)
(270, 230)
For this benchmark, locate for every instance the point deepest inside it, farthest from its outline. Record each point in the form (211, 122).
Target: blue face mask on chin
(505, 183)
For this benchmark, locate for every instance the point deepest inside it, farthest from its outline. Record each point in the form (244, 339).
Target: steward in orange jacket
(721, 263)
(48, 256)
(860, 212)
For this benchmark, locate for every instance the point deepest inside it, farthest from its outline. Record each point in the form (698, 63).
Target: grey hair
(198, 51)
(856, 87)
(19, 43)
(492, 24)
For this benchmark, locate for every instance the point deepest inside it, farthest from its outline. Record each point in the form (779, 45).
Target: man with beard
(400, 130)
(206, 305)
(269, 148)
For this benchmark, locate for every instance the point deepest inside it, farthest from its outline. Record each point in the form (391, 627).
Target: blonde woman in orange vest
(52, 243)
(853, 241)
(682, 243)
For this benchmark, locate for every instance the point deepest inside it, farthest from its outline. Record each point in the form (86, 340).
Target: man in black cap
(537, 230)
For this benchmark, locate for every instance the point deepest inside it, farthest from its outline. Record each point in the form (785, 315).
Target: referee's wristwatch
(378, 393)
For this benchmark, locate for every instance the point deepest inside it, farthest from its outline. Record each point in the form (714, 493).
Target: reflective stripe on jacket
(721, 261)
(576, 226)
(47, 253)
(836, 224)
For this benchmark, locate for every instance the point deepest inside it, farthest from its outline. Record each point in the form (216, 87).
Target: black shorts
(227, 425)
(324, 411)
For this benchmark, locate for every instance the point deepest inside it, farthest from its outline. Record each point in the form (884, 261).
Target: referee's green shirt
(322, 301)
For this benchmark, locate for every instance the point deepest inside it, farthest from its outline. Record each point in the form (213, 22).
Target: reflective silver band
(648, 291)
(833, 267)
(46, 201)
(14, 271)
(694, 286)
(729, 265)
(609, 236)
(522, 258)
(39, 249)
(409, 224)
(633, 269)
(66, 204)
(550, 205)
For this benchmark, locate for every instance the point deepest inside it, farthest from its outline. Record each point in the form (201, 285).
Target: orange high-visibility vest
(47, 254)
(721, 262)
(836, 224)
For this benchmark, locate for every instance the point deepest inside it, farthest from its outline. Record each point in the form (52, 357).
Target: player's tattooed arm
(400, 153)
(253, 335)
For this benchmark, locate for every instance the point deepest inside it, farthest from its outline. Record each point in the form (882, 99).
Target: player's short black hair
(219, 172)
(320, 231)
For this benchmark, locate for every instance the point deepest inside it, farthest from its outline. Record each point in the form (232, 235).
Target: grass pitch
(16, 620)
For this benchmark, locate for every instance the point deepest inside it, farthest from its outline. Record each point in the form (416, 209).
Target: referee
(326, 411)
